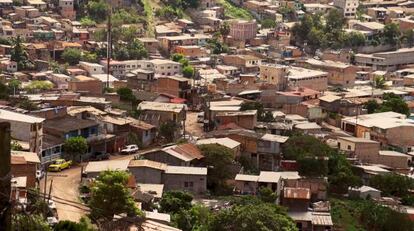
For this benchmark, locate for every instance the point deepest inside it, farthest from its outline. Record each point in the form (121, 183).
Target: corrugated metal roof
(322, 219)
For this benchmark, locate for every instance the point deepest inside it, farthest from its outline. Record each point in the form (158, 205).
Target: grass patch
(233, 11)
(344, 214)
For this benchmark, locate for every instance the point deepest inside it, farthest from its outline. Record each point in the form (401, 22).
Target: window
(349, 147)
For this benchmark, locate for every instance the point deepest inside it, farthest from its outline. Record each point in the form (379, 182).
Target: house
(391, 129)
(157, 113)
(175, 155)
(94, 168)
(339, 74)
(151, 44)
(387, 61)
(65, 127)
(361, 148)
(347, 7)
(250, 184)
(226, 142)
(169, 43)
(309, 78)
(341, 105)
(146, 133)
(243, 30)
(364, 192)
(165, 67)
(176, 86)
(140, 79)
(269, 151)
(275, 74)
(25, 164)
(86, 85)
(19, 190)
(147, 171)
(245, 63)
(296, 199)
(25, 128)
(92, 68)
(244, 119)
(192, 179)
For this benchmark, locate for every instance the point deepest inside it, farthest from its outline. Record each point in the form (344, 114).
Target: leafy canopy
(110, 196)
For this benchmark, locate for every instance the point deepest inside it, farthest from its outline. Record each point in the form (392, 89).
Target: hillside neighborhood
(207, 115)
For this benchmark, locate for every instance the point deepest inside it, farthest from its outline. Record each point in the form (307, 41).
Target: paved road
(65, 186)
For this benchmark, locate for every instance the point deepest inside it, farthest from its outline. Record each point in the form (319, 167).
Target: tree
(87, 22)
(261, 217)
(14, 85)
(379, 82)
(97, 10)
(340, 174)
(39, 85)
(334, 21)
(392, 184)
(372, 106)
(110, 196)
(23, 222)
(83, 225)
(26, 104)
(4, 91)
(126, 94)
(391, 34)
(188, 71)
(354, 39)
(133, 50)
(394, 103)
(167, 130)
(89, 57)
(267, 195)
(75, 146)
(408, 37)
(19, 54)
(72, 56)
(268, 23)
(310, 153)
(174, 201)
(218, 159)
(224, 30)
(195, 218)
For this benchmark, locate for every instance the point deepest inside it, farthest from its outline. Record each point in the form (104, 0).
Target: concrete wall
(144, 175)
(177, 182)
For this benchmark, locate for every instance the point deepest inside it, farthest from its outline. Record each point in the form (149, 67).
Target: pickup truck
(59, 164)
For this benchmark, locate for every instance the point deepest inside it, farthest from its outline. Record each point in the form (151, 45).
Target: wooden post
(5, 177)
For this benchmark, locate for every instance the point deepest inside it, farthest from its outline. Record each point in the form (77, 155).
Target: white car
(51, 204)
(132, 148)
(52, 221)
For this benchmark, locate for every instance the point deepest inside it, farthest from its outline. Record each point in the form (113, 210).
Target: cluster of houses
(322, 96)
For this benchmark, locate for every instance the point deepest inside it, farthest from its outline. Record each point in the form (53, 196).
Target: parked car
(132, 148)
(96, 156)
(51, 204)
(59, 164)
(40, 174)
(52, 221)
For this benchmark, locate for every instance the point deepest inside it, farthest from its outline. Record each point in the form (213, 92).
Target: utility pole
(50, 191)
(5, 177)
(109, 45)
(45, 186)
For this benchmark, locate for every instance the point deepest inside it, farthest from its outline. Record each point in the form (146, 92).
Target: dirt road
(191, 125)
(65, 193)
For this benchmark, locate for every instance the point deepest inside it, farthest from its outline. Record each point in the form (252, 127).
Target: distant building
(25, 128)
(347, 7)
(243, 30)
